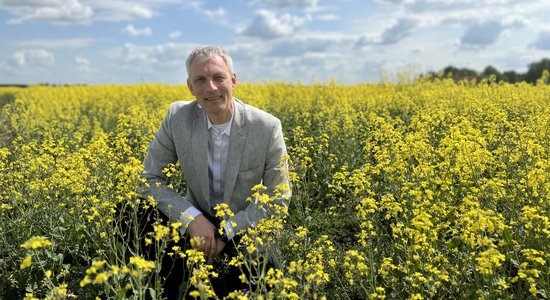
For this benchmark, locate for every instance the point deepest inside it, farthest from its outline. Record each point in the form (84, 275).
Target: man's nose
(211, 85)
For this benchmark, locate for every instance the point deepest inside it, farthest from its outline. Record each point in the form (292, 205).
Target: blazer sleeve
(275, 177)
(162, 151)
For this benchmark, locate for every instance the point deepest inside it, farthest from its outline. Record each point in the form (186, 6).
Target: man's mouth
(212, 98)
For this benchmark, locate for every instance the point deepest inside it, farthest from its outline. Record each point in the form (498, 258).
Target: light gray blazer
(255, 150)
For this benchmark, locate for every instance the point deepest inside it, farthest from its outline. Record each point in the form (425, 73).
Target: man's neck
(221, 118)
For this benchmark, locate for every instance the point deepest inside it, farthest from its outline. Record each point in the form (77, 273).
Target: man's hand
(219, 248)
(201, 227)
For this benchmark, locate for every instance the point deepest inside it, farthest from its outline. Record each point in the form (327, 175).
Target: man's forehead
(211, 64)
(216, 59)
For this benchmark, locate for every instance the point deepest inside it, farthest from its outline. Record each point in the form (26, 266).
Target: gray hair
(204, 53)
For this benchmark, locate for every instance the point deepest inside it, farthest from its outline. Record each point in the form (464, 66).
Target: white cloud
(140, 12)
(80, 11)
(83, 64)
(287, 3)
(398, 31)
(268, 25)
(123, 10)
(331, 57)
(32, 58)
(543, 41)
(56, 43)
(213, 14)
(57, 11)
(169, 55)
(481, 35)
(174, 35)
(131, 30)
(327, 17)
(311, 44)
(465, 12)
(161, 62)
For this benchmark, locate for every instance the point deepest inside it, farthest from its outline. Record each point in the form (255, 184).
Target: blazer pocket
(246, 180)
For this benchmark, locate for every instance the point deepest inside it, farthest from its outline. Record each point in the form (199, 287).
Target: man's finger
(212, 251)
(206, 249)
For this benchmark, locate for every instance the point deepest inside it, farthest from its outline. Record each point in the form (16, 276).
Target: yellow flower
(36, 242)
(243, 278)
(59, 291)
(27, 262)
(533, 289)
(84, 282)
(142, 264)
(223, 211)
(30, 296)
(489, 260)
(101, 278)
(301, 232)
(160, 231)
(502, 283)
(416, 297)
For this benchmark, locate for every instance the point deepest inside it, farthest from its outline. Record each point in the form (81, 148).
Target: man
(224, 147)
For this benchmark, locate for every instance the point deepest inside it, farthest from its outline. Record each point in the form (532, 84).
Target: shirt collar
(226, 130)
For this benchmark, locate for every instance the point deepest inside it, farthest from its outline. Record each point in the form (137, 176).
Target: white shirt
(218, 149)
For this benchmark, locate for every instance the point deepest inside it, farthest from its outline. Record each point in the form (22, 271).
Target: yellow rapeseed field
(430, 190)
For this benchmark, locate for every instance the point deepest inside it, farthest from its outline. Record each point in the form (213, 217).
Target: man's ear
(234, 81)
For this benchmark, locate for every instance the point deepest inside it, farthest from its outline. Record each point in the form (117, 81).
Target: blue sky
(353, 41)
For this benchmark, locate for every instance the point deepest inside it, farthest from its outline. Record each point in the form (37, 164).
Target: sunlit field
(431, 190)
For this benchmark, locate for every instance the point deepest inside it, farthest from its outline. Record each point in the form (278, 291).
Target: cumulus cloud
(480, 35)
(327, 17)
(56, 43)
(131, 30)
(122, 10)
(268, 25)
(169, 55)
(32, 58)
(174, 35)
(83, 64)
(140, 12)
(308, 45)
(80, 11)
(484, 21)
(543, 41)
(58, 11)
(218, 13)
(432, 13)
(398, 31)
(287, 3)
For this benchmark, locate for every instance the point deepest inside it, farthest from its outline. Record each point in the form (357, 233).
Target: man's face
(212, 84)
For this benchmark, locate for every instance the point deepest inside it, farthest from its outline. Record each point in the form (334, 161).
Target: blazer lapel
(200, 154)
(236, 146)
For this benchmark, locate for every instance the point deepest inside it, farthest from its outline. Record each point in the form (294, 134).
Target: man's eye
(199, 80)
(219, 78)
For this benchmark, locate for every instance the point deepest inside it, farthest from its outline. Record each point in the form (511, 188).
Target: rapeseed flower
(36, 242)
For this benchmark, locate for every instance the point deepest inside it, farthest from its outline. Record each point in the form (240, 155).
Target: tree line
(491, 74)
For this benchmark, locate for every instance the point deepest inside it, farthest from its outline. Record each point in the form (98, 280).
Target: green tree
(490, 71)
(536, 69)
(512, 76)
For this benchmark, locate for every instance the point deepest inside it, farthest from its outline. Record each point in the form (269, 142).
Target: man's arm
(161, 153)
(275, 174)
